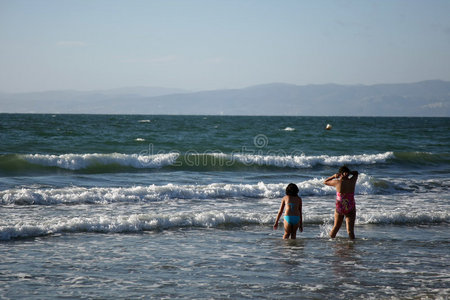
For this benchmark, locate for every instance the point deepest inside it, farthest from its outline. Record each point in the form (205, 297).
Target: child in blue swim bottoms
(292, 214)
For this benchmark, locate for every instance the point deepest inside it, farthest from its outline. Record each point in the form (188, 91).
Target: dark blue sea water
(135, 206)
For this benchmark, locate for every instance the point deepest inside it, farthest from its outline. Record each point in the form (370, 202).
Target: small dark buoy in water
(328, 127)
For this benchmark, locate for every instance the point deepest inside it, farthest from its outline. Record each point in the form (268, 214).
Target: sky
(219, 44)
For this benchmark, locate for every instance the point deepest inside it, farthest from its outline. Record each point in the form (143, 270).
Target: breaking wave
(151, 193)
(118, 162)
(136, 223)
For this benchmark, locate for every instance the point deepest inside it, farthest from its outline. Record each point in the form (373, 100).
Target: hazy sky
(198, 45)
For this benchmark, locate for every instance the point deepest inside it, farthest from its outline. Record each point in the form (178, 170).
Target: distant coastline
(420, 99)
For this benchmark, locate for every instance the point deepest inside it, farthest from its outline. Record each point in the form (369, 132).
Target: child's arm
(330, 180)
(354, 175)
(280, 211)
(301, 216)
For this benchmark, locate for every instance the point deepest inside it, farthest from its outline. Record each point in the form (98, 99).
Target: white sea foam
(289, 129)
(144, 121)
(303, 161)
(313, 288)
(97, 195)
(104, 195)
(82, 161)
(105, 223)
(130, 223)
(403, 216)
(139, 140)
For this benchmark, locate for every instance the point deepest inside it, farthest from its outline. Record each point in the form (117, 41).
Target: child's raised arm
(329, 181)
(354, 175)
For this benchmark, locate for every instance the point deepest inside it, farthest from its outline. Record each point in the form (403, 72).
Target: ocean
(162, 207)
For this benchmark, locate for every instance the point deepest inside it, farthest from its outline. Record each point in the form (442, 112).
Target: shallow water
(245, 262)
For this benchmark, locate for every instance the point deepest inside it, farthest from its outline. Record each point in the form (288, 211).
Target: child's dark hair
(292, 190)
(344, 169)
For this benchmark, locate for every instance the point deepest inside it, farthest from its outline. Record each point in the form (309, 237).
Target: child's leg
(294, 231)
(287, 230)
(338, 219)
(350, 220)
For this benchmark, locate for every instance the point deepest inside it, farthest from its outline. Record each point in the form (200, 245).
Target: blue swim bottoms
(292, 220)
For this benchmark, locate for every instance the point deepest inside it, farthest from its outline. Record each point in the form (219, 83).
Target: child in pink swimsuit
(345, 200)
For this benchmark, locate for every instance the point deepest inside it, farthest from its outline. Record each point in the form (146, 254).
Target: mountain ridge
(424, 98)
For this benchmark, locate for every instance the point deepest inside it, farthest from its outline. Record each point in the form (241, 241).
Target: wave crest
(105, 195)
(303, 161)
(118, 162)
(136, 223)
(84, 161)
(130, 224)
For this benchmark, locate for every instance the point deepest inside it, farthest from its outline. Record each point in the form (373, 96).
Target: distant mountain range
(426, 98)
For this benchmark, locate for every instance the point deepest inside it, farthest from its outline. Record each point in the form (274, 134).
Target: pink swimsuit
(345, 203)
